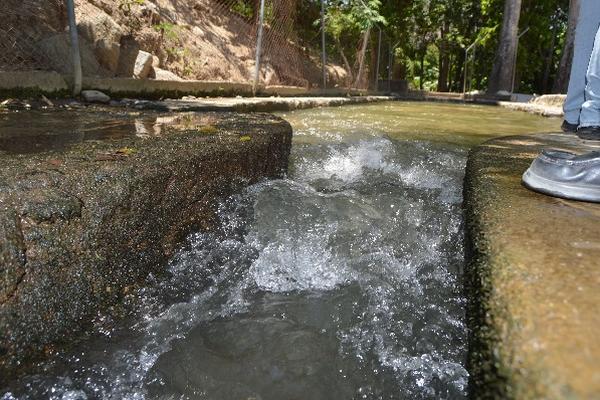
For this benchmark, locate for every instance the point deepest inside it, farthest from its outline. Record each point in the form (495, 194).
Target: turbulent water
(342, 281)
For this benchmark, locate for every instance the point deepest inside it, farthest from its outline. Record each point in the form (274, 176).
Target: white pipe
(259, 46)
(468, 49)
(77, 73)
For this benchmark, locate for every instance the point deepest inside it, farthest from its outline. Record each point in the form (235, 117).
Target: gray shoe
(566, 175)
(567, 127)
(589, 133)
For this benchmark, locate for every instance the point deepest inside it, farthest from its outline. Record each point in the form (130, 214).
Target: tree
(354, 18)
(502, 72)
(431, 37)
(564, 69)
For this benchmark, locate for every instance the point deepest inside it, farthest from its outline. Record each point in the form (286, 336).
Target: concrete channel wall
(533, 278)
(81, 228)
(20, 84)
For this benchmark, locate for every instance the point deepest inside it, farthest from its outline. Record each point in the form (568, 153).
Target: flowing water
(342, 281)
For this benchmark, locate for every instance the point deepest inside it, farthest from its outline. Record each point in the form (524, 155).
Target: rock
(164, 75)
(47, 101)
(155, 65)
(95, 25)
(57, 50)
(12, 254)
(155, 62)
(151, 13)
(95, 96)
(551, 100)
(101, 30)
(143, 65)
(128, 55)
(107, 54)
(77, 221)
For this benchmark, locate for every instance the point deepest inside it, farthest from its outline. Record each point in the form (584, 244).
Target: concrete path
(534, 278)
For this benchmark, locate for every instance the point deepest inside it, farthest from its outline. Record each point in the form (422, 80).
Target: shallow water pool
(342, 281)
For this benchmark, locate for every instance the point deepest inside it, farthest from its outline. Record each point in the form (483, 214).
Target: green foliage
(352, 16)
(431, 34)
(431, 31)
(168, 30)
(243, 8)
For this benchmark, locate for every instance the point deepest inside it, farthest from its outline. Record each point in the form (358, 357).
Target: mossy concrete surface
(533, 279)
(33, 83)
(252, 104)
(82, 227)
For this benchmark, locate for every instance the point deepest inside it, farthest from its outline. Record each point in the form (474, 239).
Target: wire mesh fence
(214, 40)
(28, 33)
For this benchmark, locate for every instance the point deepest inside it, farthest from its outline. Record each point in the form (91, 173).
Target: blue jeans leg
(587, 27)
(590, 111)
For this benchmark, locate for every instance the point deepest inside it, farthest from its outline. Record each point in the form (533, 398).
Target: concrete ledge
(148, 88)
(81, 228)
(153, 89)
(547, 105)
(13, 84)
(249, 104)
(552, 100)
(533, 280)
(534, 108)
(28, 83)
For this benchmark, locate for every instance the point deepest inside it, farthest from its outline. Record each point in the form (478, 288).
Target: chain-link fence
(28, 33)
(210, 40)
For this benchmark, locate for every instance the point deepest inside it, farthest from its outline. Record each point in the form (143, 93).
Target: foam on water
(342, 281)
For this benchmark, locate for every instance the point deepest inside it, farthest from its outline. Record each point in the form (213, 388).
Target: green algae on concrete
(533, 280)
(249, 104)
(84, 222)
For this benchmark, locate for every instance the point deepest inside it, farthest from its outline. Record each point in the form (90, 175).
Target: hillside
(185, 39)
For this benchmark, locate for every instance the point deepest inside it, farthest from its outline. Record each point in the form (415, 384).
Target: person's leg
(590, 111)
(587, 27)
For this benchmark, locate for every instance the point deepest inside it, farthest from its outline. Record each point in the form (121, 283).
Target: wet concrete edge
(487, 377)
(55, 280)
(509, 310)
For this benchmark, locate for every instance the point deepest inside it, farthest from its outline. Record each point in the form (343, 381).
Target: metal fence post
(324, 55)
(514, 76)
(77, 73)
(390, 67)
(259, 46)
(378, 60)
(466, 67)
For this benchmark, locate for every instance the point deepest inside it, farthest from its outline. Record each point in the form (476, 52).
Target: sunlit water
(341, 281)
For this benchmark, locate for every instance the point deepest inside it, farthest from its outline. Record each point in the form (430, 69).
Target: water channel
(342, 281)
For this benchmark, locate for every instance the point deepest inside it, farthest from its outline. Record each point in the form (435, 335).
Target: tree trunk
(361, 57)
(345, 60)
(561, 83)
(373, 79)
(503, 69)
(459, 76)
(422, 77)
